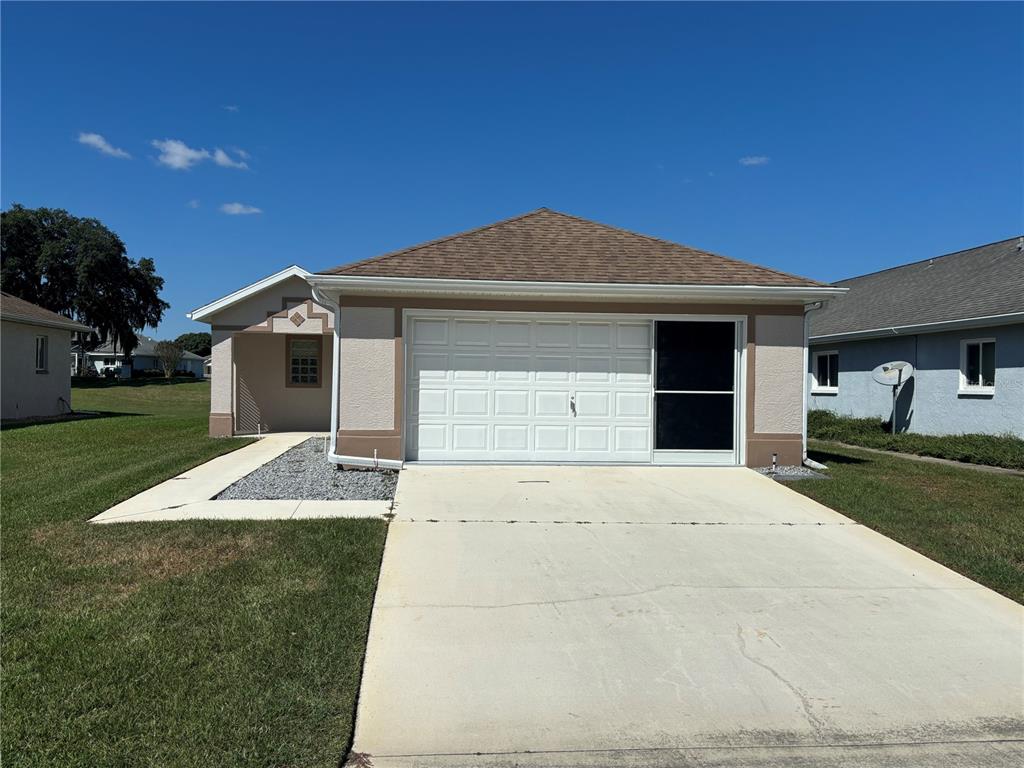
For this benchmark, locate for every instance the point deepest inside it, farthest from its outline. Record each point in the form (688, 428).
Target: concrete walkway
(627, 616)
(189, 496)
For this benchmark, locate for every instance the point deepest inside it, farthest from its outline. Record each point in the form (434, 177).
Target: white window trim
(46, 353)
(816, 388)
(972, 389)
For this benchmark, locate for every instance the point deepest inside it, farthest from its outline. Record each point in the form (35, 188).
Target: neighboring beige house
(35, 349)
(541, 338)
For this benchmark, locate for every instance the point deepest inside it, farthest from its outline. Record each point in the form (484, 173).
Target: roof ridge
(664, 241)
(929, 258)
(436, 241)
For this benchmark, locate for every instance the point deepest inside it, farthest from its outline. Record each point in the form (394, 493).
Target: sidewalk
(190, 495)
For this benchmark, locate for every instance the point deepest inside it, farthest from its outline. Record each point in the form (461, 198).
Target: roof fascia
(415, 286)
(250, 290)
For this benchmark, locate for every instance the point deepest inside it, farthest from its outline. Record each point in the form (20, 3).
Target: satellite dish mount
(894, 375)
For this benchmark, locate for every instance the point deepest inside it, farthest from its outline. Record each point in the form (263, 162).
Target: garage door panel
(472, 367)
(551, 403)
(554, 334)
(511, 437)
(594, 335)
(549, 437)
(632, 439)
(430, 366)
(429, 331)
(633, 370)
(469, 402)
(593, 404)
(431, 402)
(509, 402)
(593, 370)
(469, 437)
(512, 333)
(472, 333)
(552, 368)
(636, 405)
(592, 438)
(633, 335)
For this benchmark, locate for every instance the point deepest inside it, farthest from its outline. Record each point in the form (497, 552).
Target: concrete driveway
(550, 616)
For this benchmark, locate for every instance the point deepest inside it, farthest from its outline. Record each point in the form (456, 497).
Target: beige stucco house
(540, 338)
(36, 351)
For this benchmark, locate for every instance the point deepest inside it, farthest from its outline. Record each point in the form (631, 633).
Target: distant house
(104, 358)
(207, 366)
(35, 345)
(958, 318)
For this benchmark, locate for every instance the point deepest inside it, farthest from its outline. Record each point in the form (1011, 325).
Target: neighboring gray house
(143, 358)
(958, 318)
(34, 348)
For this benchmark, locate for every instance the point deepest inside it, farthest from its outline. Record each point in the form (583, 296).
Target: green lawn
(994, 450)
(966, 519)
(168, 644)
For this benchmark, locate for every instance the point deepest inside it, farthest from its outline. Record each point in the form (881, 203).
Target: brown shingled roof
(548, 246)
(18, 310)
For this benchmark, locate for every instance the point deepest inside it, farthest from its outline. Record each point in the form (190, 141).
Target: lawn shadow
(95, 382)
(80, 416)
(826, 457)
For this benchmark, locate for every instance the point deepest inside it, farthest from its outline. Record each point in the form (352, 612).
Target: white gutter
(936, 327)
(332, 455)
(355, 285)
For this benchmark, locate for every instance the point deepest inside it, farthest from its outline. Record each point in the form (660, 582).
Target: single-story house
(144, 358)
(34, 348)
(540, 338)
(958, 319)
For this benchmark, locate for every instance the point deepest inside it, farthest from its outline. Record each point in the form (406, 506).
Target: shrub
(993, 450)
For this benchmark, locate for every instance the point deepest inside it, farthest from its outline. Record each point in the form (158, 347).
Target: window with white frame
(826, 371)
(42, 354)
(978, 366)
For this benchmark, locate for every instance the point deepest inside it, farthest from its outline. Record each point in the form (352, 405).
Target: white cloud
(223, 159)
(192, 203)
(230, 107)
(96, 141)
(239, 209)
(754, 160)
(241, 153)
(179, 156)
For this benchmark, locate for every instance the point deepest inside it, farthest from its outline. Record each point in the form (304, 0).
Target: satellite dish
(893, 374)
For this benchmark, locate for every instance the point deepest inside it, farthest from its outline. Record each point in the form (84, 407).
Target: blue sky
(873, 134)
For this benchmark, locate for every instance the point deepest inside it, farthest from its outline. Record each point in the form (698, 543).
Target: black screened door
(695, 386)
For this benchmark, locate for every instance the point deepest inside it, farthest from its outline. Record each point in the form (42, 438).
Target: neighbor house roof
(548, 246)
(979, 284)
(146, 348)
(21, 311)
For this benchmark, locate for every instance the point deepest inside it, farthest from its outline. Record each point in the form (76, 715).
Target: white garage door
(523, 389)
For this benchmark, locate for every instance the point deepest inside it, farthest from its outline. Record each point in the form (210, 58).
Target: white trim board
(250, 290)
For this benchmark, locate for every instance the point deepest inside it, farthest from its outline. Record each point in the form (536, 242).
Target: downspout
(332, 455)
(808, 308)
(322, 298)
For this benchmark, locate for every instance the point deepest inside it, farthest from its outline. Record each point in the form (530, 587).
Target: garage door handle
(572, 405)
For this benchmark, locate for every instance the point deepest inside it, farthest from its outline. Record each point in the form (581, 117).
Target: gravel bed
(785, 472)
(303, 473)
